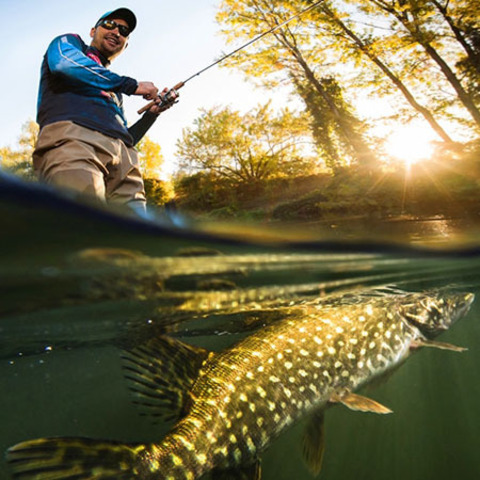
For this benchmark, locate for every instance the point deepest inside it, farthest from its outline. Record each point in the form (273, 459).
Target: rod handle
(152, 103)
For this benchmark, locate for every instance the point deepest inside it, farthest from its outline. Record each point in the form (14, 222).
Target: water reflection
(437, 231)
(98, 296)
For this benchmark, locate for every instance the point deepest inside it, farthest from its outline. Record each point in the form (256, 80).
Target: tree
(416, 19)
(329, 113)
(150, 157)
(370, 48)
(158, 192)
(19, 160)
(245, 148)
(462, 18)
(428, 50)
(298, 53)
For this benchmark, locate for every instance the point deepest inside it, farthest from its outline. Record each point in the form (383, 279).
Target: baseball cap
(124, 14)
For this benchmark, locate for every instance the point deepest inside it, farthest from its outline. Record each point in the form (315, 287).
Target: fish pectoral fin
(314, 442)
(250, 472)
(359, 403)
(160, 374)
(435, 344)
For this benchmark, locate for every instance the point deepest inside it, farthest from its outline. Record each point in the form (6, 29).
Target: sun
(410, 144)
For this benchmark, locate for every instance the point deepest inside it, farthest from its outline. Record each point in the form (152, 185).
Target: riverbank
(348, 196)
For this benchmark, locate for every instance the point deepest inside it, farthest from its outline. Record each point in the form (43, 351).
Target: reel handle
(152, 103)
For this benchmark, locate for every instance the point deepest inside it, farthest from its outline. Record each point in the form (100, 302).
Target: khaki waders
(77, 158)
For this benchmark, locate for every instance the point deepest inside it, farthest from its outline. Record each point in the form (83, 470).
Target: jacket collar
(92, 52)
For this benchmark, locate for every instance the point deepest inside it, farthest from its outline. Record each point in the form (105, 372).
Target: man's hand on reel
(165, 100)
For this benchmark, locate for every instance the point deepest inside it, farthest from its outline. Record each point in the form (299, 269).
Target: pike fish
(231, 405)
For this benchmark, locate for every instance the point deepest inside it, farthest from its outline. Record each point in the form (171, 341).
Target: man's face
(109, 42)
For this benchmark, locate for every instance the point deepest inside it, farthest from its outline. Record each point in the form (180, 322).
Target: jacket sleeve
(66, 58)
(140, 128)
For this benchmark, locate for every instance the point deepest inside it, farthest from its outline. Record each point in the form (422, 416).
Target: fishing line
(169, 97)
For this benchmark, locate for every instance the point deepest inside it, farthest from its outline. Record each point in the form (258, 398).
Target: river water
(79, 284)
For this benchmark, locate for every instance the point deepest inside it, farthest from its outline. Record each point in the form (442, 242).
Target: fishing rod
(168, 98)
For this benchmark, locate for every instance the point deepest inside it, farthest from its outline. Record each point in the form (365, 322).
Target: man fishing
(84, 143)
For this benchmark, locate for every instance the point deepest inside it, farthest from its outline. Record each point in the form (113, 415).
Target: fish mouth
(468, 299)
(434, 318)
(463, 303)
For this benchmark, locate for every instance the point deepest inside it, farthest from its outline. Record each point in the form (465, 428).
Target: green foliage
(338, 133)
(246, 148)
(158, 192)
(150, 157)
(204, 191)
(431, 188)
(19, 160)
(422, 54)
(305, 208)
(299, 53)
(428, 25)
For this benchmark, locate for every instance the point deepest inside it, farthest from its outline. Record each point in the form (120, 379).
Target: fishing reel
(168, 99)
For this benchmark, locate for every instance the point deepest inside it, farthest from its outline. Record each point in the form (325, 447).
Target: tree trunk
(361, 151)
(473, 56)
(320, 124)
(394, 79)
(463, 95)
(418, 35)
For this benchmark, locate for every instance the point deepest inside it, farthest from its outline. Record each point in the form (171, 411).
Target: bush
(307, 207)
(158, 192)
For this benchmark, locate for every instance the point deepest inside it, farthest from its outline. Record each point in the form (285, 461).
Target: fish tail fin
(65, 458)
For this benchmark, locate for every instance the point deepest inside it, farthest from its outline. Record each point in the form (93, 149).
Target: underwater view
(108, 324)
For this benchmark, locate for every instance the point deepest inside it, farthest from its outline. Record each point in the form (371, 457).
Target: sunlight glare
(410, 144)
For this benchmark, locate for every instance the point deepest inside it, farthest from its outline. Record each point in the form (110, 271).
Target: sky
(172, 41)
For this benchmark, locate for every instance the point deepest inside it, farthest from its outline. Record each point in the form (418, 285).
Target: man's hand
(164, 101)
(148, 90)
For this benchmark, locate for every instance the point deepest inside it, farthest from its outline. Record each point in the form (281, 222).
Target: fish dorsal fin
(314, 442)
(435, 344)
(359, 403)
(161, 373)
(250, 472)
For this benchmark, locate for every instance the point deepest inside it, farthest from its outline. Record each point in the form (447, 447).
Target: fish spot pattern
(283, 369)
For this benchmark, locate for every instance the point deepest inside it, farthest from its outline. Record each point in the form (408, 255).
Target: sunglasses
(112, 25)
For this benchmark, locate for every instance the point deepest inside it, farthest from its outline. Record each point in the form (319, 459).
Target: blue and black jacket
(76, 85)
